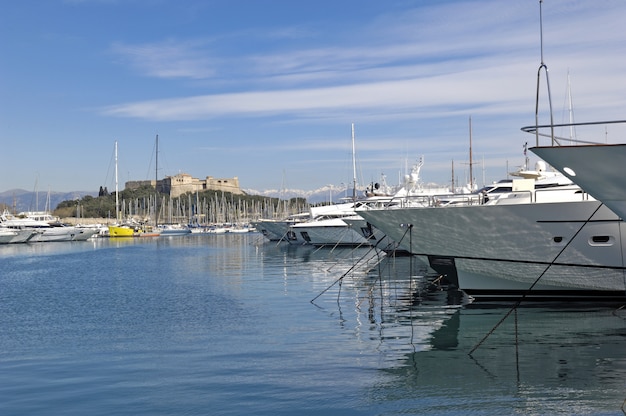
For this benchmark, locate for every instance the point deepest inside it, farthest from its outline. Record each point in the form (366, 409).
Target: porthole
(601, 240)
(557, 239)
(569, 171)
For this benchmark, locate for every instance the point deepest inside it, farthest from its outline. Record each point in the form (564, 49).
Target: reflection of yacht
(552, 357)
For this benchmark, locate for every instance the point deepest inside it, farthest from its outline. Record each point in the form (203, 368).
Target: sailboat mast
(453, 185)
(156, 164)
(117, 200)
(156, 182)
(353, 167)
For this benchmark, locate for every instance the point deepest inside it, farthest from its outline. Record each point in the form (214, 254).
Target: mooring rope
(374, 247)
(342, 276)
(282, 238)
(527, 292)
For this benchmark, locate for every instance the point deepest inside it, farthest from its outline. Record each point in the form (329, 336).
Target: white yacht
(280, 229)
(597, 168)
(9, 236)
(537, 241)
(45, 231)
(326, 227)
(557, 242)
(341, 224)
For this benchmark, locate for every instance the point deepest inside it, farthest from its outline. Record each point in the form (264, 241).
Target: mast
(453, 186)
(156, 183)
(117, 200)
(353, 167)
(570, 109)
(471, 162)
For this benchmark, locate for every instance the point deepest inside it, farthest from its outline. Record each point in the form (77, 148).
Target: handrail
(443, 200)
(535, 129)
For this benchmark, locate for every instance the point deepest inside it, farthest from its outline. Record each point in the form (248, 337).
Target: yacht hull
(121, 231)
(568, 250)
(331, 232)
(598, 169)
(276, 230)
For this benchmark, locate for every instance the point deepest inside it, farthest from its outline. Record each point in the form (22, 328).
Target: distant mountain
(325, 193)
(315, 196)
(20, 200)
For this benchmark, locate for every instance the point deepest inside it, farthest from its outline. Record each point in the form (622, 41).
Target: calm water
(224, 325)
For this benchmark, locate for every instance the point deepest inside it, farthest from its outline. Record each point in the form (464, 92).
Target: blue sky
(267, 90)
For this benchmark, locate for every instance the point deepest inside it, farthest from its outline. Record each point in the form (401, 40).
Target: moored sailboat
(120, 229)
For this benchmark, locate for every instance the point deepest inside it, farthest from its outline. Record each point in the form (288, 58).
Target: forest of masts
(188, 209)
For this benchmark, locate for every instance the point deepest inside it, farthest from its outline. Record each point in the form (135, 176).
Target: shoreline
(86, 221)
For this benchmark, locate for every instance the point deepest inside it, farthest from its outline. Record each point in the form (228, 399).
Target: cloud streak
(168, 59)
(231, 89)
(405, 72)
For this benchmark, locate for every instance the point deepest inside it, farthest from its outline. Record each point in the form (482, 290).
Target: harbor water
(235, 325)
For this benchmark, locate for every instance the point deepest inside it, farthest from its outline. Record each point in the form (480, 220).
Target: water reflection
(542, 361)
(210, 318)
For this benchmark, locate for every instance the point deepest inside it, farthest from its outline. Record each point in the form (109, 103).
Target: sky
(267, 90)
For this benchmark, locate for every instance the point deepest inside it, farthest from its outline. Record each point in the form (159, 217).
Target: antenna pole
(471, 161)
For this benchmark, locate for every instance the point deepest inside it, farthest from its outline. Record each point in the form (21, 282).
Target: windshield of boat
(502, 186)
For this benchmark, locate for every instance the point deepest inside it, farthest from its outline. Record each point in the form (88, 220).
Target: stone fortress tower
(174, 186)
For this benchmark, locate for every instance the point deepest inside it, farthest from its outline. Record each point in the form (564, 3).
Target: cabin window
(558, 239)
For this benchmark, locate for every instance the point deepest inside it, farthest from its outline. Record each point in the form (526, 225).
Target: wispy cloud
(401, 62)
(169, 59)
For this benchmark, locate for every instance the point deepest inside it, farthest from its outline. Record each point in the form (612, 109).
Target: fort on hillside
(174, 186)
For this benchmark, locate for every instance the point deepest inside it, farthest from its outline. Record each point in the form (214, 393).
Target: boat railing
(425, 201)
(572, 140)
(547, 195)
(539, 195)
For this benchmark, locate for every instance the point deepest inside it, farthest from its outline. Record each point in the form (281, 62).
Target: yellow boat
(122, 231)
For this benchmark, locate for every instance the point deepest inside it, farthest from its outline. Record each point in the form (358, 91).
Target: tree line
(210, 205)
